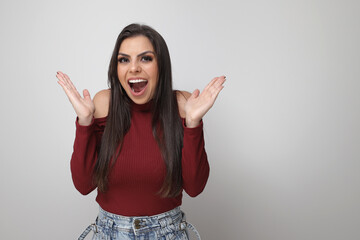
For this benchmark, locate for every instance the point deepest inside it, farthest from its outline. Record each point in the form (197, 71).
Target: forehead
(136, 44)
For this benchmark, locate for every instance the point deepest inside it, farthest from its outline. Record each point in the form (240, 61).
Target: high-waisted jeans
(169, 225)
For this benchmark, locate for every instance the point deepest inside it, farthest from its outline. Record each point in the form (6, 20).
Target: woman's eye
(123, 60)
(146, 59)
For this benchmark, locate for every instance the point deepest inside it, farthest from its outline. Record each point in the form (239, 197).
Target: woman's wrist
(192, 123)
(85, 121)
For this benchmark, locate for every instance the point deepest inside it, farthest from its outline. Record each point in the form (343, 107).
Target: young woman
(140, 143)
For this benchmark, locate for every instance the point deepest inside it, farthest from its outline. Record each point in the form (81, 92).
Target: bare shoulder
(182, 97)
(102, 102)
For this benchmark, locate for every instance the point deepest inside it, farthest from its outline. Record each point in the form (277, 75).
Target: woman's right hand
(83, 106)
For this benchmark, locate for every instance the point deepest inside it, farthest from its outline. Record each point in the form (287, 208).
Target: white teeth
(137, 80)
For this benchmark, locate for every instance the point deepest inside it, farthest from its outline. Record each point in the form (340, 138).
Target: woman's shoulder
(182, 97)
(102, 101)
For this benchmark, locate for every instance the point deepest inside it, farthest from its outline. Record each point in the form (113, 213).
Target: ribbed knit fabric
(139, 171)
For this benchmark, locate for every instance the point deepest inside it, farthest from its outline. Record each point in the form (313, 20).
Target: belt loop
(110, 223)
(163, 222)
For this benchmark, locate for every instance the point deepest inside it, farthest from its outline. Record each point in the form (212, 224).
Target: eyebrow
(139, 55)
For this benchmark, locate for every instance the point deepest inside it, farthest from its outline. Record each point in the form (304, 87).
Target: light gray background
(283, 138)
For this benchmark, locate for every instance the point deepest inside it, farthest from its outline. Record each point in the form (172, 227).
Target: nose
(135, 67)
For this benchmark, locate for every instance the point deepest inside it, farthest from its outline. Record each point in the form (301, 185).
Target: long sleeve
(87, 139)
(195, 166)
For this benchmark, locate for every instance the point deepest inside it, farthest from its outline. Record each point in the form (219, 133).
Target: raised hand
(83, 106)
(198, 104)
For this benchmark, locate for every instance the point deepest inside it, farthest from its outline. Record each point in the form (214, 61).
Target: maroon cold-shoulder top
(139, 171)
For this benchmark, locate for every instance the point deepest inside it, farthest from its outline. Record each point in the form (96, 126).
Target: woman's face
(137, 68)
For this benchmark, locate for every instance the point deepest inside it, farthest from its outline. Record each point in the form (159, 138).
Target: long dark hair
(166, 122)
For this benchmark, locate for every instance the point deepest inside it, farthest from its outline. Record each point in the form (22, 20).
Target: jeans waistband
(173, 220)
(139, 223)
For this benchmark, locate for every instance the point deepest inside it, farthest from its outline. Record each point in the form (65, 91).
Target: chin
(141, 100)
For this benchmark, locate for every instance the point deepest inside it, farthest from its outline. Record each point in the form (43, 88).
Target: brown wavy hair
(166, 122)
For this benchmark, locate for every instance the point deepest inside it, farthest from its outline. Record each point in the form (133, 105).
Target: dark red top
(139, 171)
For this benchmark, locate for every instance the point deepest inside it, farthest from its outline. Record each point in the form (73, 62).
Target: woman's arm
(192, 108)
(84, 157)
(90, 123)
(194, 162)
(86, 145)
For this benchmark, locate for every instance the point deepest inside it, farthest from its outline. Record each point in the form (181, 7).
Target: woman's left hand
(198, 103)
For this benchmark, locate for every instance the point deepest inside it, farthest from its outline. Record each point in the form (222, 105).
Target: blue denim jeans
(170, 225)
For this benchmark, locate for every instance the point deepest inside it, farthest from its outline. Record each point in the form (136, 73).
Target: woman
(140, 143)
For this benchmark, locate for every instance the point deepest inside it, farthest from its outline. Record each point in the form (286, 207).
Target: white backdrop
(283, 138)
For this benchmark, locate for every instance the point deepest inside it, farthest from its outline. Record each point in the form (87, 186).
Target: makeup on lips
(137, 85)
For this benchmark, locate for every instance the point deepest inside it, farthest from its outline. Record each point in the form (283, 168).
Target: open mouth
(137, 85)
